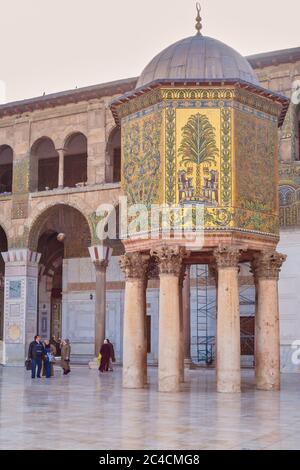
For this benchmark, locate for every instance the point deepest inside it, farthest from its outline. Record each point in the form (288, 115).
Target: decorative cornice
(169, 259)
(227, 257)
(134, 265)
(226, 89)
(267, 265)
(67, 97)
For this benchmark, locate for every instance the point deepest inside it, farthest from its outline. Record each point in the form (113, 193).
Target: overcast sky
(54, 45)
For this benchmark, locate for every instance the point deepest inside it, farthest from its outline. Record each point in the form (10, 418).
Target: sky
(54, 45)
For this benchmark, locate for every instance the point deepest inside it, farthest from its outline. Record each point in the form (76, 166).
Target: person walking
(35, 354)
(65, 356)
(105, 352)
(49, 358)
(112, 357)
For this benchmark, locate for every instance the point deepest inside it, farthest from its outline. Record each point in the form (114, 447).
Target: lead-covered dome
(198, 58)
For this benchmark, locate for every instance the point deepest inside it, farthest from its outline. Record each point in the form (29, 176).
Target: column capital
(134, 265)
(100, 256)
(267, 264)
(169, 259)
(21, 256)
(227, 257)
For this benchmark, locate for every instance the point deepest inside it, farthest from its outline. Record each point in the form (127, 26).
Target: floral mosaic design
(256, 173)
(141, 144)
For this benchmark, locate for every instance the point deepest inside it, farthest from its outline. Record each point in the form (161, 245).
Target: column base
(188, 363)
(133, 381)
(269, 386)
(229, 383)
(169, 385)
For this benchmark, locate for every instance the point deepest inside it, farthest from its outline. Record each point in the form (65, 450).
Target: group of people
(43, 356)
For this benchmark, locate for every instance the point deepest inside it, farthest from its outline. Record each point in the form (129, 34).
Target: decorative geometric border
(170, 156)
(226, 170)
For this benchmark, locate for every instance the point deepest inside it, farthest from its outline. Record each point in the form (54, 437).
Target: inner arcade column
(186, 313)
(100, 257)
(228, 321)
(61, 164)
(170, 332)
(266, 268)
(20, 303)
(134, 266)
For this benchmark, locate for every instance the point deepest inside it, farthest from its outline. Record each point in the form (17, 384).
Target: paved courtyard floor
(86, 411)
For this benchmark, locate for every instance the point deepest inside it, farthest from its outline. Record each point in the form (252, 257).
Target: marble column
(134, 265)
(169, 350)
(228, 321)
(20, 303)
(186, 311)
(181, 324)
(266, 268)
(100, 304)
(213, 274)
(61, 164)
(100, 256)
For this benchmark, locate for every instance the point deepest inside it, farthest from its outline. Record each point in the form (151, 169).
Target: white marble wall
(78, 307)
(289, 297)
(44, 309)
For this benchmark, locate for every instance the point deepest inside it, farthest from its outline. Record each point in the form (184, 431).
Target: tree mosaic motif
(198, 145)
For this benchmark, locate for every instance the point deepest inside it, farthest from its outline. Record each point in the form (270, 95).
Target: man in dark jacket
(35, 353)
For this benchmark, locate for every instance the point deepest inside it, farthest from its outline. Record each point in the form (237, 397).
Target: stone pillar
(181, 339)
(169, 355)
(213, 274)
(20, 303)
(61, 154)
(228, 321)
(134, 265)
(100, 256)
(186, 310)
(266, 267)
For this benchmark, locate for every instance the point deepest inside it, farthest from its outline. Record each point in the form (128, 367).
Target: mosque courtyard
(87, 411)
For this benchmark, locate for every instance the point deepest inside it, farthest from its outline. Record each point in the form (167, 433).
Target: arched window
(75, 164)
(44, 168)
(6, 169)
(113, 157)
(287, 195)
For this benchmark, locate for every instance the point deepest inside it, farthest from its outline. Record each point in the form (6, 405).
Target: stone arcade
(198, 128)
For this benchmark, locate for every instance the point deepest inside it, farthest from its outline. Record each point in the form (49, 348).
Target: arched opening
(62, 235)
(6, 169)
(3, 248)
(113, 157)
(75, 161)
(44, 168)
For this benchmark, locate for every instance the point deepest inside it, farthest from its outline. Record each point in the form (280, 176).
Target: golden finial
(198, 20)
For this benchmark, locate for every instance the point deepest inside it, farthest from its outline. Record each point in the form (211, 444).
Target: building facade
(59, 161)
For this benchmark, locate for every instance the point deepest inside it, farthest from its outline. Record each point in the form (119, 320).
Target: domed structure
(198, 58)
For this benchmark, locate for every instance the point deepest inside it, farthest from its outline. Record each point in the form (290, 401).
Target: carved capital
(134, 265)
(227, 257)
(169, 259)
(267, 265)
(100, 265)
(153, 269)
